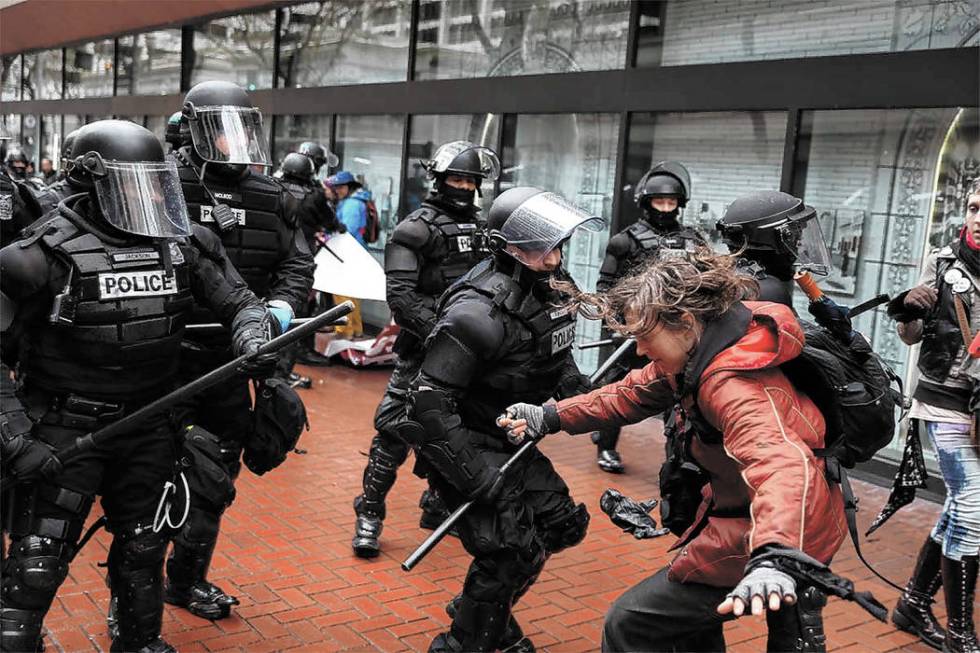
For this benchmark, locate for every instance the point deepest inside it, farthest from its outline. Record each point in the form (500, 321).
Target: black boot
(512, 641)
(367, 530)
(186, 584)
(959, 585)
(384, 458)
(913, 612)
(610, 461)
(136, 577)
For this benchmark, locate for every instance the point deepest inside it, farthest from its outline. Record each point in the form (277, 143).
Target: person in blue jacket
(352, 203)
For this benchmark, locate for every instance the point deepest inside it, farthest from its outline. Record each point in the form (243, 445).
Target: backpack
(279, 418)
(372, 228)
(853, 388)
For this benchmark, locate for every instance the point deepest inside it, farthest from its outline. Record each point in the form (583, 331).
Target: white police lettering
(6, 206)
(140, 283)
(128, 257)
(224, 196)
(558, 313)
(206, 214)
(464, 243)
(562, 338)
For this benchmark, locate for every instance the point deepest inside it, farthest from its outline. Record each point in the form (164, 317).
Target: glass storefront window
(477, 38)
(157, 125)
(88, 69)
(51, 138)
(149, 64)
(339, 42)
(727, 154)
(427, 133)
(236, 49)
(10, 71)
(293, 130)
(888, 185)
(573, 155)
(42, 75)
(713, 31)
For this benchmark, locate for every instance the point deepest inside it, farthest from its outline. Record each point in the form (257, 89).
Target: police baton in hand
(227, 371)
(440, 532)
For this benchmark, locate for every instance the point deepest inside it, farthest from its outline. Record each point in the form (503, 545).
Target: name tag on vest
(142, 283)
(206, 214)
(562, 338)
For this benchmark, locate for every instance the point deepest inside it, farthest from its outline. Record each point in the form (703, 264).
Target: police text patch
(464, 243)
(139, 283)
(562, 338)
(206, 214)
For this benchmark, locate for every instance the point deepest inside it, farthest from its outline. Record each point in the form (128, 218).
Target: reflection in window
(341, 42)
(872, 176)
(88, 70)
(149, 64)
(727, 154)
(10, 69)
(476, 38)
(706, 31)
(573, 155)
(51, 139)
(293, 130)
(157, 125)
(30, 138)
(428, 133)
(42, 75)
(236, 49)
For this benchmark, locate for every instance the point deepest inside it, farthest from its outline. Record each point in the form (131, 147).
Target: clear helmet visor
(465, 158)
(228, 134)
(806, 239)
(543, 223)
(143, 198)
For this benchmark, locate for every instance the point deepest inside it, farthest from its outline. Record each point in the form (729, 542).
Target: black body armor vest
(115, 329)
(648, 242)
(456, 248)
(253, 246)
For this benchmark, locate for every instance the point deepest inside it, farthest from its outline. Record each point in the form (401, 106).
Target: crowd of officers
(103, 270)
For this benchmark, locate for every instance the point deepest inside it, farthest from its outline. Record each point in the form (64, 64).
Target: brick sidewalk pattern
(285, 552)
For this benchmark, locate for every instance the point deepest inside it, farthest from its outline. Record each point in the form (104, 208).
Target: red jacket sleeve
(775, 462)
(642, 393)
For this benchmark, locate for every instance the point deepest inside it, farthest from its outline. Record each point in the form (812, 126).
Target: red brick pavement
(285, 551)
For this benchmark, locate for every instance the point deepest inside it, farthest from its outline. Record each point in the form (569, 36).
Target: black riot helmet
(66, 147)
(665, 179)
(177, 133)
(778, 231)
(225, 128)
(297, 168)
(16, 162)
(323, 159)
(463, 159)
(527, 223)
(134, 188)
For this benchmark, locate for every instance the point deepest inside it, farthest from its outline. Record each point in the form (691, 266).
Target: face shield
(143, 198)
(228, 134)
(465, 159)
(805, 238)
(542, 223)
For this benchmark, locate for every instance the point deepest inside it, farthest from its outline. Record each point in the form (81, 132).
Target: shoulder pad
(424, 213)
(55, 231)
(469, 319)
(619, 245)
(412, 232)
(26, 267)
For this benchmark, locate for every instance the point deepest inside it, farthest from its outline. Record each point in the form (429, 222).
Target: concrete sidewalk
(285, 552)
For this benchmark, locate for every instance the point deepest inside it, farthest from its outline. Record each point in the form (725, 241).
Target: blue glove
(283, 313)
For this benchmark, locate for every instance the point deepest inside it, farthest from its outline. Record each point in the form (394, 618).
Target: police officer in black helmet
(775, 235)
(322, 158)
(501, 333)
(254, 216)
(432, 247)
(49, 196)
(660, 195)
(93, 305)
(18, 204)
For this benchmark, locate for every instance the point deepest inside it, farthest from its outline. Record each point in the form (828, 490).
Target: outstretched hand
(763, 587)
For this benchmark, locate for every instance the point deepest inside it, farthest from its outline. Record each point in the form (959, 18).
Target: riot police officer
(254, 217)
(49, 196)
(314, 213)
(432, 247)
(775, 235)
(322, 158)
(94, 301)
(16, 163)
(501, 333)
(660, 195)
(18, 205)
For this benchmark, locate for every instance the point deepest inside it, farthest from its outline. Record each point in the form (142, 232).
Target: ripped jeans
(958, 528)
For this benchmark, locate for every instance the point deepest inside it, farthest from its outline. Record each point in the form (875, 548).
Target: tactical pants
(660, 615)
(388, 449)
(608, 437)
(224, 410)
(45, 521)
(510, 540)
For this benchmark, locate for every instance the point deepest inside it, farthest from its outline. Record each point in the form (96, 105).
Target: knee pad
(388, 452)
(34, 571)
(497, 578)
(565, 529)
(138, 548)
(390, 411)
(202, 526)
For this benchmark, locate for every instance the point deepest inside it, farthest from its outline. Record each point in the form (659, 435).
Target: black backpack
(853, 388)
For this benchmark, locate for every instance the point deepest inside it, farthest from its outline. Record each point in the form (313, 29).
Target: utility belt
(72, 410)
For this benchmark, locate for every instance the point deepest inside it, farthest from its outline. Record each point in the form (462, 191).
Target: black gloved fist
(34, 460)
(252, 328)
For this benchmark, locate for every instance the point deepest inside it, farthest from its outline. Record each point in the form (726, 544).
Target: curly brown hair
(704, 286)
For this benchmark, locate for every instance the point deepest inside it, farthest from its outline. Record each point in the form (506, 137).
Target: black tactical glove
(253, 327)
(34, 460)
